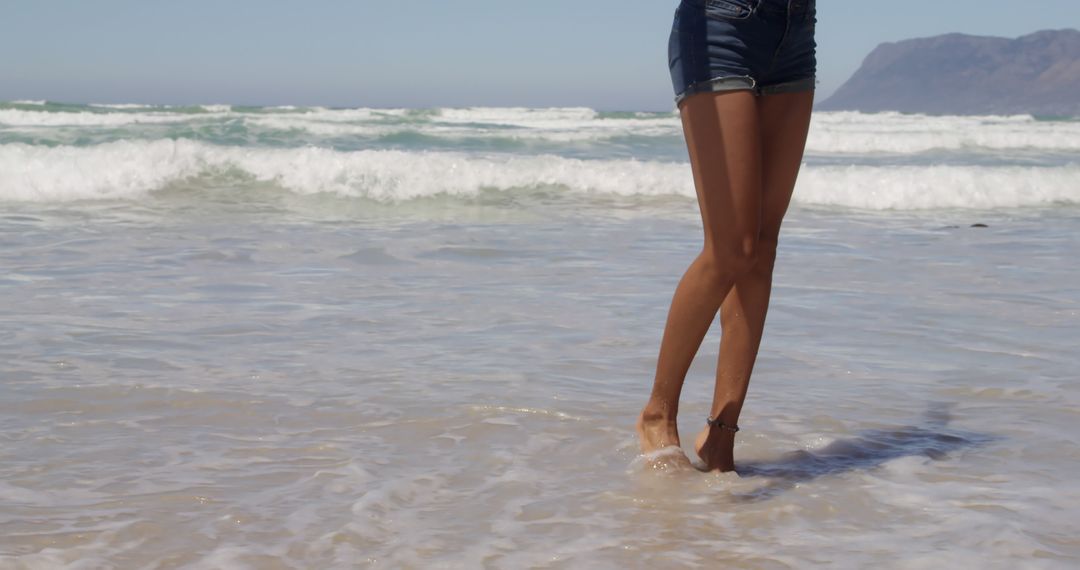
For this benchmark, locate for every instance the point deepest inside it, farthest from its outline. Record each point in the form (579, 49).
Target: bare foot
(659, 439)
(715, 447)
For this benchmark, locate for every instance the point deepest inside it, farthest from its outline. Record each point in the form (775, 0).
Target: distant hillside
(960, 74)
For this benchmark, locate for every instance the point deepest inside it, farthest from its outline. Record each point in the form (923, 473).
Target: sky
(604, 54)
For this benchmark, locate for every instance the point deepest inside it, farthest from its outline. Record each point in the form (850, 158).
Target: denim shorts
(766, 46)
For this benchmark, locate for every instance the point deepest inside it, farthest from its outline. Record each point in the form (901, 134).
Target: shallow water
(219, 389)
(289, 338)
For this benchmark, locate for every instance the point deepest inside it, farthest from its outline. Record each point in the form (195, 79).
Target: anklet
(717, 423)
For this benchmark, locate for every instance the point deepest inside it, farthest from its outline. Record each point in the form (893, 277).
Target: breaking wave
(129, 169)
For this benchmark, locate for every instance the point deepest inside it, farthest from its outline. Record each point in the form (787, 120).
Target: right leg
(724, 141)
(785, 120)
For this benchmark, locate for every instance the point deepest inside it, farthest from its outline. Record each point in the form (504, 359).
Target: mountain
(968, 75)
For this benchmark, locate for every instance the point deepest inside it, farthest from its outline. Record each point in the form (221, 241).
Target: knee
(730, 261)
(750, 256)
(764, 256)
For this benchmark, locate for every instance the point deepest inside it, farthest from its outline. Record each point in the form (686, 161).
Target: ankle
(726, 413)
(659, 412)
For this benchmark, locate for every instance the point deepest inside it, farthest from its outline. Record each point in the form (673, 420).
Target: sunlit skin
(745, 152)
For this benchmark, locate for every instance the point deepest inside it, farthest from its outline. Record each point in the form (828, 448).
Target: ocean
(305, 337)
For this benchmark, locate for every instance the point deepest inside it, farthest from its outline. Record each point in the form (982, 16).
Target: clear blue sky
(606, 54)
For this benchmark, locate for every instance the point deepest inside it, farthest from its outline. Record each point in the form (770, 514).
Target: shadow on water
(872, 448)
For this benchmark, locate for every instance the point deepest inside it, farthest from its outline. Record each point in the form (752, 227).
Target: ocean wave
(594, 131)
(124, 106)
(520, 116)
(26, 118)
(831, 133)
(848, 132)
(217, 108)
(131, 169)
(938, 186)
(126, 169)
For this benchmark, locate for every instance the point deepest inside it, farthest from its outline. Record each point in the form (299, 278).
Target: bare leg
(723, 137)
(784, 119)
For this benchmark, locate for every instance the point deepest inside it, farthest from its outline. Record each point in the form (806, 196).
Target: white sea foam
(22, 118)
(119, 105)
(218, 108)
(831, 132)
(126, 169)
(131, 168)
(860, 133)
(928, 187)
(555, 124)
(350, 115)
(522, 116)
(592, 131)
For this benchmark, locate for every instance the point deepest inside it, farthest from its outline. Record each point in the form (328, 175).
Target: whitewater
(51, 152)
(310, 337)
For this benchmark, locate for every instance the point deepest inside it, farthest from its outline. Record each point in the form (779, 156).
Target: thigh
(723, 137)
(785, 120)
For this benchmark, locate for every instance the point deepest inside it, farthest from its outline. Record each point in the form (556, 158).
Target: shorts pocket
(730, 9)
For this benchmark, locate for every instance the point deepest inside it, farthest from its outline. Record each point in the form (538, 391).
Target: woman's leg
(784, 120)
(723, 137)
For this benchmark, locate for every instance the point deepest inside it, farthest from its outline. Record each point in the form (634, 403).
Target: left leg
(784, 119)
(723, 141)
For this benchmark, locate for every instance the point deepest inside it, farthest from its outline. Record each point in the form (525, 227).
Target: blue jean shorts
(766, 46)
